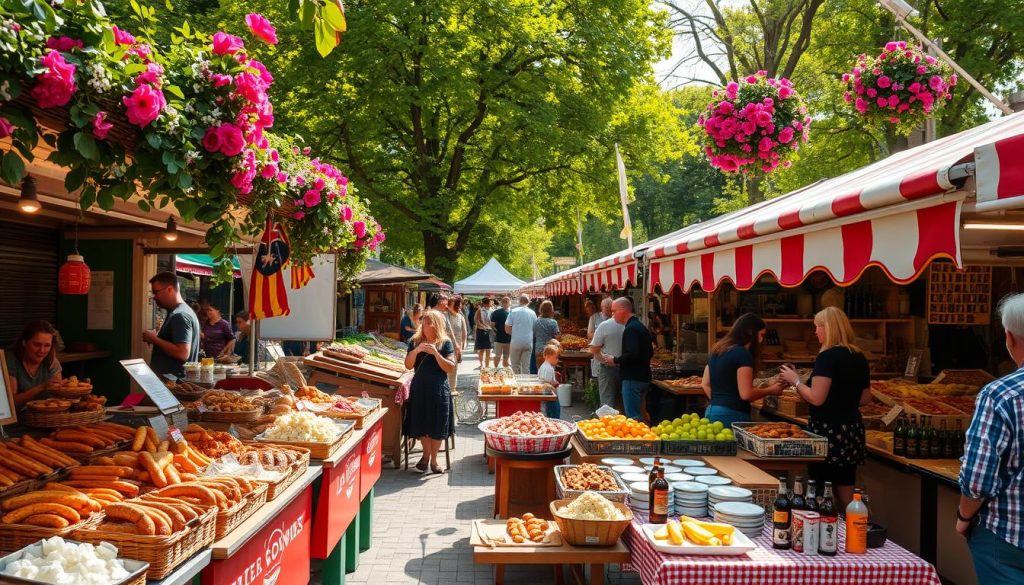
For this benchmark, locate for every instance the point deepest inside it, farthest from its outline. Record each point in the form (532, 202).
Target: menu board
(151, 384)
(7, 415)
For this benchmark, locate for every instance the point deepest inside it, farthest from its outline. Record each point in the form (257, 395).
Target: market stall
(491, 278)
(388, 293)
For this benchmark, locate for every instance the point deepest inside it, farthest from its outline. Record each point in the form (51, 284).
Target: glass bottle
(912, 438)
(899, 437)
(798, 502)
(828, 524)
(781, 517)
(811, 501)
(961, 438)
(659, 499)
(948, 449)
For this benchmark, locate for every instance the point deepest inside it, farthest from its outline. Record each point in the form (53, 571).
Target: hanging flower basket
(901, 87)
(754, 125)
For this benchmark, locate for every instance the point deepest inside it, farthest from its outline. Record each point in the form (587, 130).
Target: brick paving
(422, 524)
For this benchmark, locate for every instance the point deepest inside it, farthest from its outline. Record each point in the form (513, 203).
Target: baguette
(139, 440)
(30, 443)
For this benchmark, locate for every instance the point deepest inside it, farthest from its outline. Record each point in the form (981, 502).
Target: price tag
(180, 419)
(234, 432)
(175, 434)
(890, 416)
(159, 424)
(201, 407)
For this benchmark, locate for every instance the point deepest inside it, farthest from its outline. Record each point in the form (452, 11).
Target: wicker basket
(274, 489)
(163, 553)
(17, 536)
(618, 446)
(564, 493)
(228, 520)
(71, 393)
(540, 444)
(52, 420)
(136, 569)
(710, 448)
(316, 450)
(89, 458)
(591, 532)
(811, 446)
(242, 417)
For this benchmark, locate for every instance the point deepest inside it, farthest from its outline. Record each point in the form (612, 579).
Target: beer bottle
(798, 502)
(961, 438)
(899, 437)
(948, 447)
(811, 499)
(912, 438)
(828, 524)
(659, 498)
(934, 442)
(781, 517)
(653, 475)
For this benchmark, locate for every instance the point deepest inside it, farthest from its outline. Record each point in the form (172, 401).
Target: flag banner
(627, 225)
(268, 296)
(301, 275)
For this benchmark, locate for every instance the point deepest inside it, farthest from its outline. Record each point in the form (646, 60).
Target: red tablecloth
(889, 565)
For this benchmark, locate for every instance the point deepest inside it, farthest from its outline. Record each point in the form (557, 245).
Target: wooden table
(577, 557)
(529, 476)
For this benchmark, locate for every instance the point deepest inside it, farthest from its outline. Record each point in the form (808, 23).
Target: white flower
(5, 91)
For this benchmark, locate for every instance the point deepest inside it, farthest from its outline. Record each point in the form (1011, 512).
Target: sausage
(125, 487)
(66, 446)
(47, 521)
(132, 513)
(75, 500)
(66, 512)
(126, 458)
(185, 464)
(118, 470)
(175, 516)
(156, 475)
(30, 443)
(140, 439)
(201, 493)
(171, 474)
(161, 521)
(80, 437)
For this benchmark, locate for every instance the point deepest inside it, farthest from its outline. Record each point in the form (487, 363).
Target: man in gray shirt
(608, 340)
(177, 341)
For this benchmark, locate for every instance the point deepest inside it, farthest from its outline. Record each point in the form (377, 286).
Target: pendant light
(171, 232)
(74, 276)
(28, 201)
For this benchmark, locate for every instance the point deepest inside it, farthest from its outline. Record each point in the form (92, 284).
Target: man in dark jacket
(635, 361)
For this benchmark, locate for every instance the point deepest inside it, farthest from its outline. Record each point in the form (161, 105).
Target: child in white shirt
(546, 372)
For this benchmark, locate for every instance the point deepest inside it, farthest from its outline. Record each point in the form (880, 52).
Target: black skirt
(483, 339)
(845, 441)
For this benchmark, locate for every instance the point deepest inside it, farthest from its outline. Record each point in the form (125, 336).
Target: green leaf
(293, 8)
(134, 68)
(325, 38)
(12, 168)
(88, 197)
(75, 178)
(169, 6)
(186, 30)
(154, 140)
(136, 8)
(184, 180)
(175, 91)
(145, 206)
(308, 12)
(334, 16)
(85, 144)
(105, 198)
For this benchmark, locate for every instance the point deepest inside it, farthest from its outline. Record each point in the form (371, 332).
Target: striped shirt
(992, 468)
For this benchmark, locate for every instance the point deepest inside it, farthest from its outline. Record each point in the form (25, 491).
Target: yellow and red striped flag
(267, 294)
(301, 275)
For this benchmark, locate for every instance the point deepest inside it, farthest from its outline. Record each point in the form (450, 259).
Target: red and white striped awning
(999, 168)
(614, 272)
(564, 283)
(898, 214)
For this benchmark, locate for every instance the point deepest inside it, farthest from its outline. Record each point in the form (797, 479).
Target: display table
(272, 545)
(767, 464)
(528, 476)
(891, 565)
(185, 572)
(578, 557)
(507, 404)
(575, 360)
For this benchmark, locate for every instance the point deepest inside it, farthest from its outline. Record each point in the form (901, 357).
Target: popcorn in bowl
(591, 506)
(68, 563)
(304, 427)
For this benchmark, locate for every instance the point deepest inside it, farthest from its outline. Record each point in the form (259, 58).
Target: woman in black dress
(839, 384)
(429, 414)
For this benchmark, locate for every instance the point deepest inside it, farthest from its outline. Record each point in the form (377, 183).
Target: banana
(675, 534)
(716, 528)
(700, 535)
(661, 533)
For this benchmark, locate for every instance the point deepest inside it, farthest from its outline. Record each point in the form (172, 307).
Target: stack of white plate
(728, 493)
(647, 462)
(713, 480)
(698, 471)
(746, 517)
(613, 461)
(668, 469)
(672, 478)
(629, 478)
(684, 463)
(691, 498)
(620, 469)
(639, 497)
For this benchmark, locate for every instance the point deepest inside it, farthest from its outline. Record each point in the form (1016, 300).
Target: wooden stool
(524, 464)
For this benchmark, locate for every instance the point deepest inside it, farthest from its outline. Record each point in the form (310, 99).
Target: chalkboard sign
(151, 384)
(7, 415)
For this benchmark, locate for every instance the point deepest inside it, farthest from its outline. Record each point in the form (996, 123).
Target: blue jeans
(726, 415)
(633, 396)
(996, 562)
(552, 409)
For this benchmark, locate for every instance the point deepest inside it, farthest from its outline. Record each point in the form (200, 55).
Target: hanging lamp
(74, 276)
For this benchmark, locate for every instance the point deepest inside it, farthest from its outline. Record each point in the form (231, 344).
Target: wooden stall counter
(879, 444)
(508, 404)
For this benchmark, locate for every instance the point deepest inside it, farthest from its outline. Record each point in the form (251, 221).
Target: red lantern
(74, 277)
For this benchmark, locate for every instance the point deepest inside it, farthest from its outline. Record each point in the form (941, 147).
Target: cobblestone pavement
(422, 524)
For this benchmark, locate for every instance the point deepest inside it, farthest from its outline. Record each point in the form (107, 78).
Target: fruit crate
(726, 448)
(810, 446)
(618, 446)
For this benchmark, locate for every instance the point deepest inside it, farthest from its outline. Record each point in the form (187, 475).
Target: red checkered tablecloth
(889, 565)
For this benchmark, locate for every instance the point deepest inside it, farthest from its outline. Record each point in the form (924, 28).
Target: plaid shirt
(992, 468)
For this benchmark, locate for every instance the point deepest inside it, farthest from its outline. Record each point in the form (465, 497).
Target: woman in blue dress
(429, 412)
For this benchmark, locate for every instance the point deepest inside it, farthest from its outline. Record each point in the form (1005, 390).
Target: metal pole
(942, 55)
(254, 340)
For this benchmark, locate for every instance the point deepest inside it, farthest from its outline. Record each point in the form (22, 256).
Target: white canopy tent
(492, 278)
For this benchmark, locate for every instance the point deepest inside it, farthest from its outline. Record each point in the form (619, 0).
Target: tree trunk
(754, 192)
(438, 258)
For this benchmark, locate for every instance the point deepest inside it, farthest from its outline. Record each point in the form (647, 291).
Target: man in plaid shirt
(991, 510)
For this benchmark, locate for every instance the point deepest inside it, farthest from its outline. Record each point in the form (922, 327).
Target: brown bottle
(653, 474)
(659, 498)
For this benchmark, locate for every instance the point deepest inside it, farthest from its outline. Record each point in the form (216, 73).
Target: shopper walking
(484, 329)
(429, 414)
(502, 339)
(177, 341)
(460, 332)
(840, 382)
(635, 361)
(217, 338)
(607, 341)
(991, 484)
(520, 326)
(604, 314)
(545, 328)
(729, 376)
(409, 323)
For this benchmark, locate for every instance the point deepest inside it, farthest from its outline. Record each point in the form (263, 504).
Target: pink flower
(264, 74)
(890, 46)
(731, 88)
(140, 51)
(921, 70)
(300, 180)
(269, 171)
(152, 75)
(935, 82)
(231, 139)
(318, 184)
(882, 102)
(225, 44)
(242, 181)
(220, 80)
(359, 228)
(251, 87)
(786, 135)
(65, 44)
(306, 151)
(894, 100)
(261, 28)
(765, 144)
(346, 213)
(883, 82)
(894, 120)
(311, 198)
(144, 105)
(6, 128)
(300, 215)
(953, 79)
(914, 87)
(872, 92)
(929, 59)
(211, 140)
(282, 177)
(861, 105)
(100, 126)
(122, 37)
(274, 155)
(55, 86)
(847, 97)
(846, 77)
(358, 244)
(785, 91)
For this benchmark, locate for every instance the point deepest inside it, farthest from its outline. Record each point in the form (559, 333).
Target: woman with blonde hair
(429, 414)
(839, 384)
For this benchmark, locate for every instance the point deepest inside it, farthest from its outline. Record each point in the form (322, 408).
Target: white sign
(101, 300)
(6, 396)
(312, 306)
